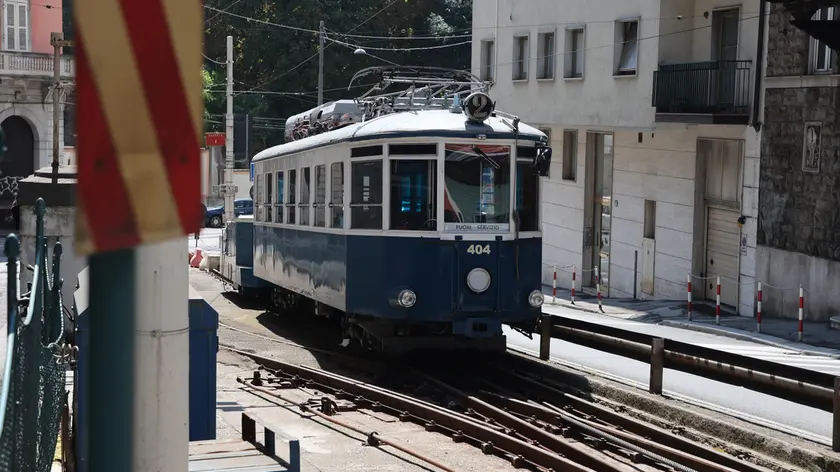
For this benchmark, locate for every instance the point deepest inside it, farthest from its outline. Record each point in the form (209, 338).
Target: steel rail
(520, 452)
(373, 438)
(556, 443)
(632, 425)
(556, 416)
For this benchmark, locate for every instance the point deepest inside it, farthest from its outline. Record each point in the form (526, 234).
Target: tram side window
(303, 218)
(527, 192)
(269, 209)
(258, 194)
(292, 200)
(320, 195)
(280, 196)
(413, 195)
(366, 195)
(337, 195)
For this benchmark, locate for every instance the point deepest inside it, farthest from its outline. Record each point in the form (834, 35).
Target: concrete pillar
(59, 224)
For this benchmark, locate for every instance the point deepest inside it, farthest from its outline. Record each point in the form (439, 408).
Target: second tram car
(415, 222)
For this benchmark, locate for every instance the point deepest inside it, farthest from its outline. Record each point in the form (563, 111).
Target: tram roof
(407, 124)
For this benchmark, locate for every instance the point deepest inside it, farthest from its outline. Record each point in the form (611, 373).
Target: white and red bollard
(554, 286)
(598, 289)
(574, 278)
(688, 279)
(800, 332)
(717, 302)
(758, 310)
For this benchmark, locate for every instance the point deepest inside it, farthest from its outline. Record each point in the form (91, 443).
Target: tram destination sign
(476, 227)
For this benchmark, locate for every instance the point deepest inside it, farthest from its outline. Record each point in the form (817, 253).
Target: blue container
(204, 345)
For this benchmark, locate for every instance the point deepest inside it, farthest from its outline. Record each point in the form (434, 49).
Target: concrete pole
(229, 193)
(161, 358)
(321, 64)
(56, 39)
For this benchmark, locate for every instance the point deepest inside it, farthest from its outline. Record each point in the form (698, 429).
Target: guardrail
(34, 371)
(815, 389)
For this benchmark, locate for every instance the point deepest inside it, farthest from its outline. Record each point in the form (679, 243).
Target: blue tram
(413, 220)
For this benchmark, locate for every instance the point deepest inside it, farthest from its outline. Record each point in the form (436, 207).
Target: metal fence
(34, 374)
(702, 87)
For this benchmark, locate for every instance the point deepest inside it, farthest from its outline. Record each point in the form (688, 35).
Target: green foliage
(265, 56)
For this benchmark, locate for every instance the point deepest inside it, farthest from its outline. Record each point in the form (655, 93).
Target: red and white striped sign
(139, 121)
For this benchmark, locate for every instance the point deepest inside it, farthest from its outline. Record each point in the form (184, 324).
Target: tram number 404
(478, 249)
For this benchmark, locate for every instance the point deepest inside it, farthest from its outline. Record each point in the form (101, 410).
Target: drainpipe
(759, 65)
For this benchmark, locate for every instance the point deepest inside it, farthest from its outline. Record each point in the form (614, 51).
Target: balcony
(33, 65)
(711, 92)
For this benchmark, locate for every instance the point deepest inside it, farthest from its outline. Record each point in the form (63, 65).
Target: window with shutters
(16, 21)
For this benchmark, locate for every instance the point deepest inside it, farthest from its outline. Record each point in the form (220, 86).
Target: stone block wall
(799, 209)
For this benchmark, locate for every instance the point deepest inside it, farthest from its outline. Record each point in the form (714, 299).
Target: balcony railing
(717, 91)
(33, 64)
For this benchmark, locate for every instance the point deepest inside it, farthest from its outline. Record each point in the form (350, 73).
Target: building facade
(651, 106)
(26, 76)
(799, 219)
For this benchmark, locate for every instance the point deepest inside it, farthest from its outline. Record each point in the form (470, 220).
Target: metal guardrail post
(657, 365)
(835, 433)
(545, 337)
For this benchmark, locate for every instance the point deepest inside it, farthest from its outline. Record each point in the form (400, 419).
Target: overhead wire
(371, 17)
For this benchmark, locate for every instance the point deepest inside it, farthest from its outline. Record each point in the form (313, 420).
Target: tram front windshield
(477, 187)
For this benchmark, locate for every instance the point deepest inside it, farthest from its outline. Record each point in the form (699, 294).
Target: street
(744, 402)
(747, 404)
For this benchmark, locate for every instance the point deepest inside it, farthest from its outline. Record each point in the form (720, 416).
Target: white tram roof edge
(406, 124)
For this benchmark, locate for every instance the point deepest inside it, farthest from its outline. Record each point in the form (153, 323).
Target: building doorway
(598, 209)
(17, 162)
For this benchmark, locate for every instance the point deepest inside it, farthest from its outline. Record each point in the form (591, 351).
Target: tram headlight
(478, 280)
(407, 299)
(536, 298)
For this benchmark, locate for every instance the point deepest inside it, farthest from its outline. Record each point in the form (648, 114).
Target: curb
(781, 344)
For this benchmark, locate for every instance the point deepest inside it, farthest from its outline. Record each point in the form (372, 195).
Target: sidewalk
(819, 338)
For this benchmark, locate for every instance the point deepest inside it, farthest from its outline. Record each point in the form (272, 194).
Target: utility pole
(321, 64)
(228, 187)
(57, 41)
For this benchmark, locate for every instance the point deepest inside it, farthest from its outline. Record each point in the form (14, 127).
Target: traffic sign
(214, 139)
(139, 121)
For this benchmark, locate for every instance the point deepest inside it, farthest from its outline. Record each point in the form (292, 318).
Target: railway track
(502, 409)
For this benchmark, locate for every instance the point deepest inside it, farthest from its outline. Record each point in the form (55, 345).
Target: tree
(282, 64)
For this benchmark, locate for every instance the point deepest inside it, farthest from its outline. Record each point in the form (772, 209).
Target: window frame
(515, 185)
(269, 194)
(431, 193)
(291, 194)
(305, 208)
(621, 43)
(381, 160)
(279, 204)
(320, 169)
(568, 169)
(337, 207)
(17, 5)
(815, 46)
(547, 55)
(521, 57)
(487, 61)
(570, 54)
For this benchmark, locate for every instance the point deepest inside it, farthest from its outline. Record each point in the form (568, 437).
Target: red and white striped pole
(717, 302)
(574, 278)
(800, 333)
(758, 310)
(554, 286)
(598, 288)
(688, 279)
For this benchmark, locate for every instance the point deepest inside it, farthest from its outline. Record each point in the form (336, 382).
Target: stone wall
(787, 46)
(799, 206)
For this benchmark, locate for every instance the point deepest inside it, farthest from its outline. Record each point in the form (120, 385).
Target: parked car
(215, 216)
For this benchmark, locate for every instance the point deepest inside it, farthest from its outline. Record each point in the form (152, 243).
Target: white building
(649, 106)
